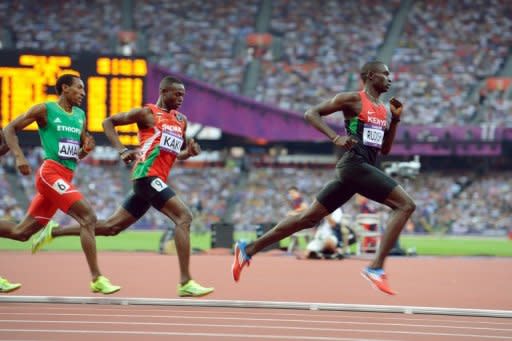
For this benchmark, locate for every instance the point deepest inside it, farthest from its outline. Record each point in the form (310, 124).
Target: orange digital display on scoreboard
(113, 84)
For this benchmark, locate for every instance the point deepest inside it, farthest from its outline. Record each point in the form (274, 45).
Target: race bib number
(373, 136)
(171, 143)
(158, 185)
(68, 149)
(60, 186)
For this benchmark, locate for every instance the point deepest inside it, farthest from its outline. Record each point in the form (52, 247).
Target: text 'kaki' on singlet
(368, 127)
(60, 137)
(161, 144)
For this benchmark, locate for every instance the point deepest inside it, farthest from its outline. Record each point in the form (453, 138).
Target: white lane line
(371, 331)
(309, 314)
(242, 325)
(224, 335)
(335, 322)
(258, 304)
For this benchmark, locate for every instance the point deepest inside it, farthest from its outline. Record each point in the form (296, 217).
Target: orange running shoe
(241, 260)
(378, 279)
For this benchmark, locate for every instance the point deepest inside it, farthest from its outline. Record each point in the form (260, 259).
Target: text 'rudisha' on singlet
(161, 144)
(368, 127)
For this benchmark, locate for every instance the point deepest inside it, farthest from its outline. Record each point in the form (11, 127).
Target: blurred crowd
(199, 38)
(60, 26)
(105, 185)
(458, 202)
(323, 46)
(445, 51)
(453, 202)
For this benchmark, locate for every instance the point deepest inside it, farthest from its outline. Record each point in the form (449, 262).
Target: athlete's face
(293, 194)
(380, 78)
(75, 92)
(173, 95)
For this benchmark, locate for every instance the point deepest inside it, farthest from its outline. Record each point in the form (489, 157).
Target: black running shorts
(354, 175)
(147, 192)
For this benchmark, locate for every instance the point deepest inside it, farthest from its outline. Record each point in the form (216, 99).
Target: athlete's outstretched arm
(346, 102)
(4, 148)
(396, 108)
(140, 116)
(35, 114)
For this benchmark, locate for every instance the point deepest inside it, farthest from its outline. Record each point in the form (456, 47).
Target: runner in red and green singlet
(162, 140)
(370, 130)
(61, 127)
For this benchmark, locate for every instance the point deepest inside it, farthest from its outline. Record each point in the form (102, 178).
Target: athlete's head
(71, 87)
(376, 74)
(172, 92)
(293, 193)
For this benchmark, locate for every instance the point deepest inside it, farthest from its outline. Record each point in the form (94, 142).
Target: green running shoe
(103, 285)
(193, 289)
(45, 237)
(6, 286)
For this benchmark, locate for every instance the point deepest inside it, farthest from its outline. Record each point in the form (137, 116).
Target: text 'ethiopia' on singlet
(161, 144)
(368, 127)
(60, 138)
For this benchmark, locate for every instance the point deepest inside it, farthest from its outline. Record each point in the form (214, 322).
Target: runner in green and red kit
(162, 140)
(61, 127)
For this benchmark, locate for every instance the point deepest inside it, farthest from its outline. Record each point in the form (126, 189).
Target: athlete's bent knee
(184, 220)
(409, 206)
(89, 221)
(113, 230)
(22, 236)
(111, 227)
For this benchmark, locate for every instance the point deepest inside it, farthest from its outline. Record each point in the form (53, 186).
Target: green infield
(149, 241)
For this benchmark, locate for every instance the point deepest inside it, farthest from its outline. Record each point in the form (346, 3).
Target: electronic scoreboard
(112, 85)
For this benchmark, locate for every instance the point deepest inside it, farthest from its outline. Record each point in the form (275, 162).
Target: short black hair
(168, 80)
(293, 188)
(369, 67)
(64, 79)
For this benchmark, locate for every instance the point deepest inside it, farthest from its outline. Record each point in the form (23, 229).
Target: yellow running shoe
(45, 237)
(193, 289)
(6, 286)
(103, 285)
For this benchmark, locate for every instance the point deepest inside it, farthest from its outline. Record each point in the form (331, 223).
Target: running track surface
(476, 283)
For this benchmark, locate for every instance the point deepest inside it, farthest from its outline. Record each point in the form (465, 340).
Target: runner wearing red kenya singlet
(161, 144)
(61, 127)
(162, 140)
(370, 129)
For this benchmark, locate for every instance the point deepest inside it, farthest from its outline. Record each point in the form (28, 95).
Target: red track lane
(434, 282)
(85, 322)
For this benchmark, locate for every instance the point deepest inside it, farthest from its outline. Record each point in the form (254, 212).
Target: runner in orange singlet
(162, 140)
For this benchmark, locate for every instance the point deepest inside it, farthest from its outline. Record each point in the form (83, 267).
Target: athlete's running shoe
(103, 285)
(193, 289)
(241, 259)
(6, 286)
(378, 279)
(45, 237)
